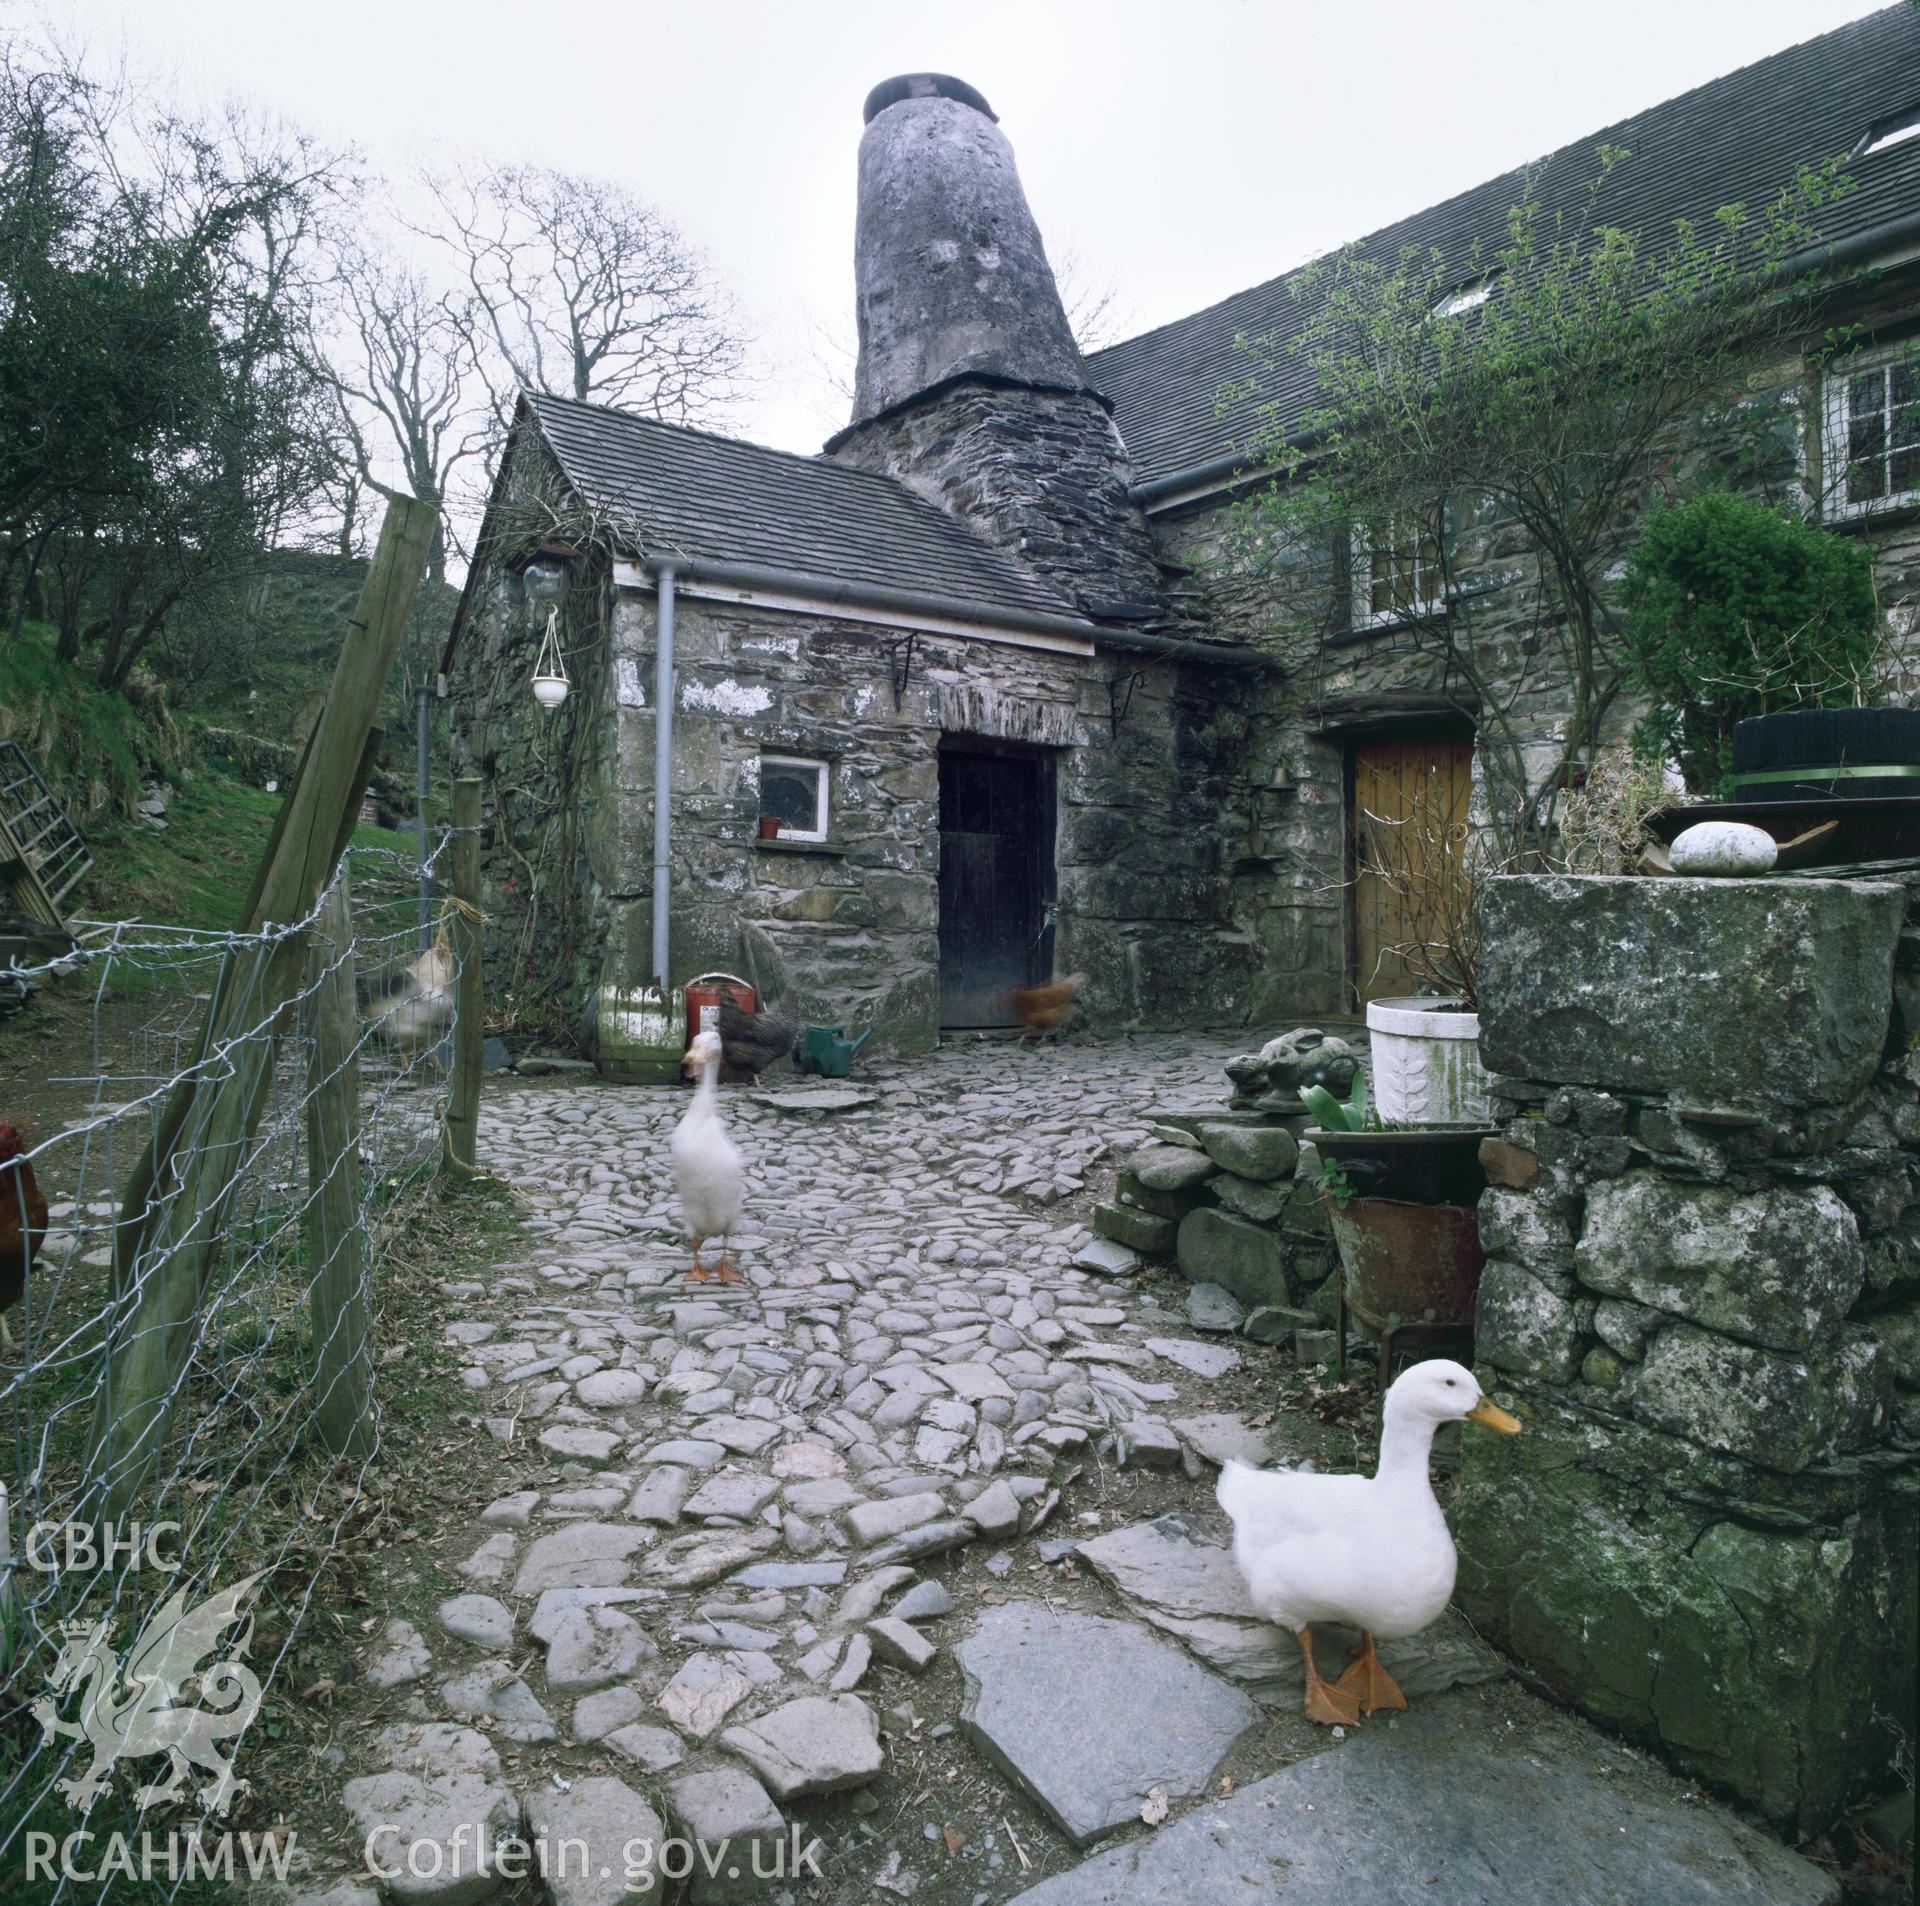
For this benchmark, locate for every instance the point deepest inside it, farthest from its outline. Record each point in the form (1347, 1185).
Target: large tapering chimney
(970, 386)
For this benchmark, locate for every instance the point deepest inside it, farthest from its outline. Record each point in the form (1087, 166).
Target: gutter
(1862, 247)
(1074, 634)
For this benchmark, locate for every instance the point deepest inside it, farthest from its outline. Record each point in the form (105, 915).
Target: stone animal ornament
(1372, 1552)
(1272, 1079)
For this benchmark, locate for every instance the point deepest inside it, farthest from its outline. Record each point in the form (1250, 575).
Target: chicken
(1043, 1010)
(23, 1224)
(415, 1013)
(753, 1041)
(707, 1166)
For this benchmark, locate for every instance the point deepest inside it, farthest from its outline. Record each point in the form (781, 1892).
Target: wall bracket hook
(1119, 706)
(900, 654)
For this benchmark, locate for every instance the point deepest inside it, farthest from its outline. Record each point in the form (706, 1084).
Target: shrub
(1735, 609)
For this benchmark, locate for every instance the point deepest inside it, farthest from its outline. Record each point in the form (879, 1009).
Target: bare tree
(581, 289)
(397, 360)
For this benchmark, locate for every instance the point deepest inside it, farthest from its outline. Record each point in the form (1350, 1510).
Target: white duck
(1370, 1551)
(706, 1164)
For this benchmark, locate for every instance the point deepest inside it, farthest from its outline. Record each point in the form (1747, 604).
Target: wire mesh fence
(188, 1401)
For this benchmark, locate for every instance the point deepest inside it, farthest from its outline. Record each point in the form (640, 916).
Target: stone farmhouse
(977, 657)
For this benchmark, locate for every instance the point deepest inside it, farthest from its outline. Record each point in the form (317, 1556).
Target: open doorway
(997, 878)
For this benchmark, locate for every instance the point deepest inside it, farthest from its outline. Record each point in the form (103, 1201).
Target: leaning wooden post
(337, 1295)
(172, 1217)
(469, 993)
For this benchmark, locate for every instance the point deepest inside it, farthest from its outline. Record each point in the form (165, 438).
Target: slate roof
(682, 492)
(1741, 138)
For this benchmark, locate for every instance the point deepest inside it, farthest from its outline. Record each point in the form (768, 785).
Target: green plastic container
(640, 1034)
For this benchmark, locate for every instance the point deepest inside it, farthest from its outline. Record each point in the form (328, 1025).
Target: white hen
(707, 1165)
(1370, 1551)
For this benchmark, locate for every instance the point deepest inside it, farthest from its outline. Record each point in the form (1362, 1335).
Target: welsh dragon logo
(131, 1712)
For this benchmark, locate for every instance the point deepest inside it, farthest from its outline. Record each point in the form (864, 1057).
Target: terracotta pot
(769, 827)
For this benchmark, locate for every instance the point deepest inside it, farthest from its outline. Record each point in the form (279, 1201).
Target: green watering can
(826, 1050)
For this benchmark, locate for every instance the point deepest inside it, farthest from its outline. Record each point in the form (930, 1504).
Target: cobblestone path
(892, 1571)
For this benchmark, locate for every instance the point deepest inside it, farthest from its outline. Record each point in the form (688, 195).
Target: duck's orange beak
(1494, 1417)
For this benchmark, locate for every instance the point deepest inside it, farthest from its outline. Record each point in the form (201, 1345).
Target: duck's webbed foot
(1329, 1703)
(1368, 1682)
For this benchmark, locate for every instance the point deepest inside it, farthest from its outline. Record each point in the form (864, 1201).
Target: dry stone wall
(1703, 1290)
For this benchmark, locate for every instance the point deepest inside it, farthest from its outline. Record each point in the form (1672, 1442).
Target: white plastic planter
(1426, 1063)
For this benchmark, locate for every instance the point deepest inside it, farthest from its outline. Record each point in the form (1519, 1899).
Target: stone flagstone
(725, 1806)
(1089, 1715)
(601, 1840)
(445, 1803)
(820, 1743)
(703, 1693)
(1174, 1572)
(581, 1555)
(1425, 1812)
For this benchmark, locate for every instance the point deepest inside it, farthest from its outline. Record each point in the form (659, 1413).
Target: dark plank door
(1409, 812)
(992, 862)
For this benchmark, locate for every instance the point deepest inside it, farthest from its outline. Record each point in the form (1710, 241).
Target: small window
(1396, 569)
(1873, 434)
(794, 791)
(1895, 130)
(1467, 298)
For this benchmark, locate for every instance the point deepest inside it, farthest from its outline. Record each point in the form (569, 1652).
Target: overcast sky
(1178, 149)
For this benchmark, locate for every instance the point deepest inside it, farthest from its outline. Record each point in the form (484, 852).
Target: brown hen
(1043, 1010)
(23, 1224)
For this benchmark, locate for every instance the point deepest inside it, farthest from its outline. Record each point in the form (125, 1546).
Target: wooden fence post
(337, 1296)
(172, 1216)
(469, 996)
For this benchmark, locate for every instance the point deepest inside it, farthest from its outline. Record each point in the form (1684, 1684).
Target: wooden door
(1408, 808)
(995, 859)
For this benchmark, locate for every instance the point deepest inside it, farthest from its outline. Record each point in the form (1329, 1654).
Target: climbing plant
(1480, 431)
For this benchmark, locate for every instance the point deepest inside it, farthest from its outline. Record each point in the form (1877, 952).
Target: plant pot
(1426, 1063)
(1408, 1264)
(769, 827)
(1439, 1166)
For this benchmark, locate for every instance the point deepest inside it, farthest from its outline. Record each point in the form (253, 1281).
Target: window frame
(1363, 545)
(1836, 422)
(822, 809)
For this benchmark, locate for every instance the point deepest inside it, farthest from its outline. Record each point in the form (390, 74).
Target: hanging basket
(550, 684)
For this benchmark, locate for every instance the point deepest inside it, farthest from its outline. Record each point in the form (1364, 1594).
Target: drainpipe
(662, 772)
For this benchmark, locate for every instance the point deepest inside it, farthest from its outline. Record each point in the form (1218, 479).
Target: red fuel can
(704, 996)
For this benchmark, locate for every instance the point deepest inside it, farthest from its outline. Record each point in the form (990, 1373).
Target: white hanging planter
(1426, 1063)
(550, 682)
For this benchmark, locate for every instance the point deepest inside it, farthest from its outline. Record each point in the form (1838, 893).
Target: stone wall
(1703, 1293)
(1227, 1192)
(1145, 900)
(1339, 680)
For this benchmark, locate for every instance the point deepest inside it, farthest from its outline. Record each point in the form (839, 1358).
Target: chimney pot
(890, 92)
